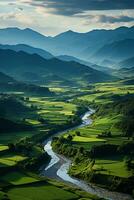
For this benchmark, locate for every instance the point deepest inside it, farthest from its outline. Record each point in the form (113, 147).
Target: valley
(67, 115)
(45, 116)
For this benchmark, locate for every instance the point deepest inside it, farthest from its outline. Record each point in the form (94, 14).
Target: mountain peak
(70, 31)
(10, 28)
(121, 28)
(27, 29)
(66, 33)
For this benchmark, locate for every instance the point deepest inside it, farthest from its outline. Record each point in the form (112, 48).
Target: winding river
(59, 165)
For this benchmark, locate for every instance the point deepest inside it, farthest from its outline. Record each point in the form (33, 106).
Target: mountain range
(5, 78)
(7, 83)
(115, 52)
(127, 63)
(18, 64)
(81, 45)
(45, 54)
(68, 58)
(28, 49)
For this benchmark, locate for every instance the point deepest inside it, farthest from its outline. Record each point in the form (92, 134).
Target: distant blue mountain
(12, 36)
(116, 51)
(83, 62)
(6, 79)
(128, 63)
(81, 45)
(28, 49)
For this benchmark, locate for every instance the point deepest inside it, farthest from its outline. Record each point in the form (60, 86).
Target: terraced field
(18, 178)
(11, 159)
(114, 167)
(3, 147)
(40, 192)
(26, 187)
(88, 136)
(48, 112)
(52, 111)
(15, 136)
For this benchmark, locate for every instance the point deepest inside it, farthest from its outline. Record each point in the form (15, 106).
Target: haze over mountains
(28, 49)
(5, 78)
(116, 51)
(81, 45)
(68, 58)
(18, 64)
(128, 63)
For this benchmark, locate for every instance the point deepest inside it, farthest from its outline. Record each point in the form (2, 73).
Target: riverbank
(59, 165)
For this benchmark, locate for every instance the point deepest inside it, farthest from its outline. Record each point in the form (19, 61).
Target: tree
(69, 138)
(77, 133)
(92, 163)
(11, 147)
(81, 150)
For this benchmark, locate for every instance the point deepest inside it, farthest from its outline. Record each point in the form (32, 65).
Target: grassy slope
(40, 192)
(51, 111)
(18, 178)
(112, 165)
(10, 159)
(30, 187)
(57, 112)
(3, 147)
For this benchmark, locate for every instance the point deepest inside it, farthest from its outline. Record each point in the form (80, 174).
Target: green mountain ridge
(18, 63)
(6, 79)
(28, 49)
(116, 51)
(7, 83)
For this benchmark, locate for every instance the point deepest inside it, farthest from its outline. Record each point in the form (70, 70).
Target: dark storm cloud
(72, 7)
(112, 19)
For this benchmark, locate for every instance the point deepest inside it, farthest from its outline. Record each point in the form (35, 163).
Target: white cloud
(23, 19)
(43, 11)
(22, 13)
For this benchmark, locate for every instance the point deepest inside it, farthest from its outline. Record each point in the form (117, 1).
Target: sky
(51, 17)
